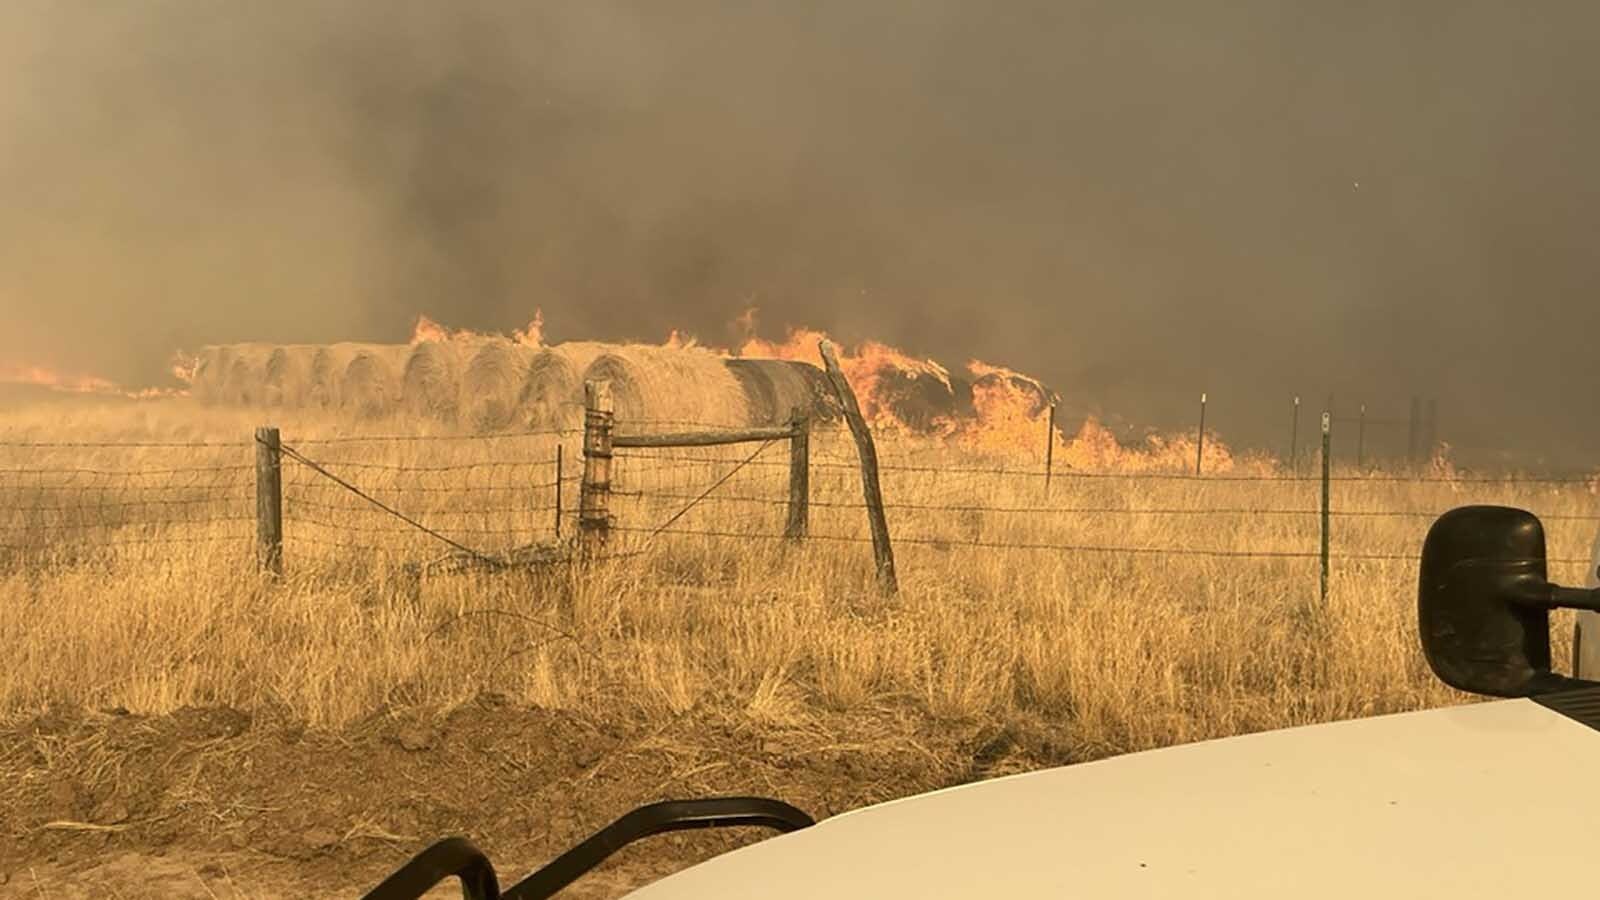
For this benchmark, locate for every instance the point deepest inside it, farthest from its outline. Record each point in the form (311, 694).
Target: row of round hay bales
(494, 384)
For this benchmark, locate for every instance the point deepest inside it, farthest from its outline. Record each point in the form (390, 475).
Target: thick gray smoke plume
(1135, 201)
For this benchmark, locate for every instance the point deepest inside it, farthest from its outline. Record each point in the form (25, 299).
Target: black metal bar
(657, 818)
(450, 858)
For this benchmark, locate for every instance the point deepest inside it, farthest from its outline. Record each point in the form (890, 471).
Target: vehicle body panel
(1483, 800)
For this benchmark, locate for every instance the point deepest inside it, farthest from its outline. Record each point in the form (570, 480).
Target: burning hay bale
(326, 374)
(995, 385)
(917, 400)
(371, 384)
(775, 388)
(492, 384)
(655, 387)
(552, 388)
(431, 385)
(287, 377)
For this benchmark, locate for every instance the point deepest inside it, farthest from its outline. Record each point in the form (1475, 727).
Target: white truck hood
(1486, 800)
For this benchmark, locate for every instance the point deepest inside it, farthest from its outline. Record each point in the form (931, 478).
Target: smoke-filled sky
(1134, 201)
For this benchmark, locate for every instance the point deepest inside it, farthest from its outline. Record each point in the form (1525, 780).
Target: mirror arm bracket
(1574, 598)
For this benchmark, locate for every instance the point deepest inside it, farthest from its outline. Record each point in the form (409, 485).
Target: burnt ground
(218, 802)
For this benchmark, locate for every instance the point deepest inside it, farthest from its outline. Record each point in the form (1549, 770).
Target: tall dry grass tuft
(1114, 652)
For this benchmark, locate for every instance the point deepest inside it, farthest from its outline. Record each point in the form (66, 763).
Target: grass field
(1064, 654)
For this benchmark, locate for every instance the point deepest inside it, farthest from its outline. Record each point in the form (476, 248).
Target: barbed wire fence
(504, 500)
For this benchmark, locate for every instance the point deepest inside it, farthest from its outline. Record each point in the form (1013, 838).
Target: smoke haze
(1134, 201)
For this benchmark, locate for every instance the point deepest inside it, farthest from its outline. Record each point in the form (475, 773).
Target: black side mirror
(1484, 601)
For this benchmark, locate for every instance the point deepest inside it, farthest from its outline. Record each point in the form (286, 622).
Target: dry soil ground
(215, 802)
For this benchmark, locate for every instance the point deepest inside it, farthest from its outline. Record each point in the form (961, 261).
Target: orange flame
(870, 368)
(1001, 411)
(533, 335)
(50, 379)
(38, 376)
(184, 366)
(428, 331)
(678, 340)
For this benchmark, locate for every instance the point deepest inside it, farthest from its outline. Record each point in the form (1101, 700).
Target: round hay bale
(670, 388)
(552, 388)
(371, 384)
(492, 384)
(431, 386)
(775, 388)
(245, 374)
(327, 371)
(288, 376)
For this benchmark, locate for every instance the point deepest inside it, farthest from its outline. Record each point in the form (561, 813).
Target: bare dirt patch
(219, 802)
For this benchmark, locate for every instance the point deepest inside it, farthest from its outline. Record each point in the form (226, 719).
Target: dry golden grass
(1120, 652)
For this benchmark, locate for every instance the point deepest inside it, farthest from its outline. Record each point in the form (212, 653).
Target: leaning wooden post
(869, 468)
(594, 519)
(1049, 447)
(799, 477)
(1327, 456)
(269, 501)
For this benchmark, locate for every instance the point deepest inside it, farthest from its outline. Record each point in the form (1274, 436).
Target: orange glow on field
(68, 383)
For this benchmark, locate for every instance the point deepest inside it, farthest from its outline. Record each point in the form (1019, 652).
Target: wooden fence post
(1327, 469)
(1049, 448)
(269, 501)
(1294, 439)
(594, 519)
(799, 477)
(869, 468)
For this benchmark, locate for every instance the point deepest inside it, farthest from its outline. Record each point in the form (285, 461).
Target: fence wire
(482, 501)
(68, 503)
(491, 497)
